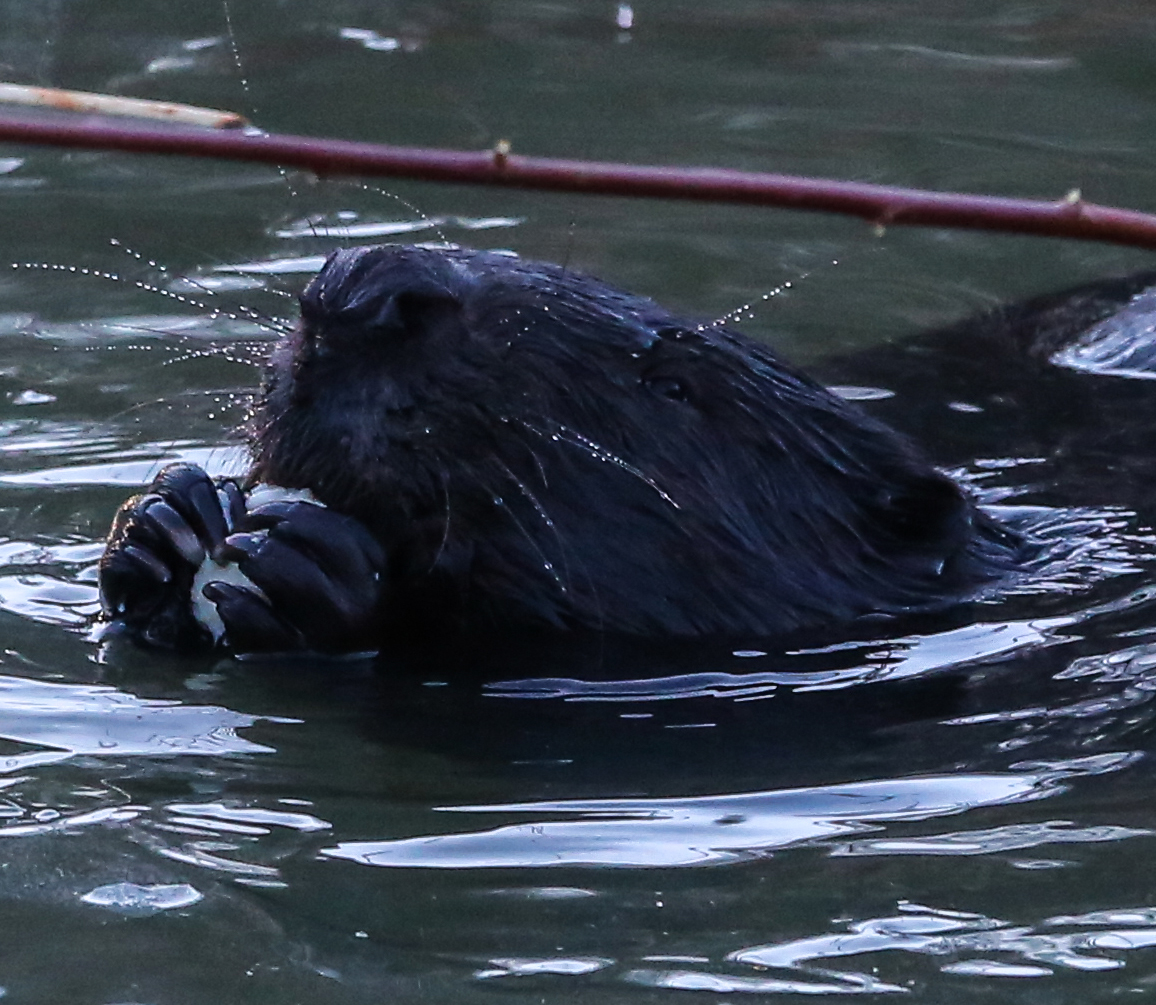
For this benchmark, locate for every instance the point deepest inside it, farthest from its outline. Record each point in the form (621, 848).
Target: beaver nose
(386, 288)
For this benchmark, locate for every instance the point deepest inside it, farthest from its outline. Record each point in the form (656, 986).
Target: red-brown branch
(883, 205)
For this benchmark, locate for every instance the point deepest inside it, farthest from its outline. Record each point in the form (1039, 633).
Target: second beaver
(532, 447)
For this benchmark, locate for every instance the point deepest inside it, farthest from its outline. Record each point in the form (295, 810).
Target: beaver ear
(927, 513)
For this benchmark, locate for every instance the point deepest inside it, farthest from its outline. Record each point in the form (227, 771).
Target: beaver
(492, 443)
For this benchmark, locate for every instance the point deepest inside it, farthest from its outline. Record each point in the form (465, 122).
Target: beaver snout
(382, 289)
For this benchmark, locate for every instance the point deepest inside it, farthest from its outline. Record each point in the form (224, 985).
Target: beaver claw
(157, 542)
(316, 582)
(187, 566)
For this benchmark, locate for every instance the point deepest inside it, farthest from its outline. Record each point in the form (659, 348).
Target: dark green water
(603, 826)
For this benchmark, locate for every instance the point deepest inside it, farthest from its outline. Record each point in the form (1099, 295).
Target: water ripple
(890, 659)
(713, 830)
(72, 719)
(927, 931)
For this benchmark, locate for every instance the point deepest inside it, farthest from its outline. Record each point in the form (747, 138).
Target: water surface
(959, 811)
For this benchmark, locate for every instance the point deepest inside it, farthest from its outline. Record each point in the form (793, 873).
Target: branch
(882, 205)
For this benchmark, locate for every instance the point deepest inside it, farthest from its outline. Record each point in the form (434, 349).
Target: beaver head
(535, 447)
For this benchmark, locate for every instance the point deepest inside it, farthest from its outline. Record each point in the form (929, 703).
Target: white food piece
(262, 494)
(211, 571)
(204, 610)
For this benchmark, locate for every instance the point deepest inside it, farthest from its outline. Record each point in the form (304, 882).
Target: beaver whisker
(258, 317)
(525, 490)
(264, 321)
(736, 315)
(597, 451)
(443, 480)
(506, 420)
(164, 270)
(499, 502)
(533, 500)
(271, 323)
(138, 406)
(226, 352)
(280, 326)
(377, 190)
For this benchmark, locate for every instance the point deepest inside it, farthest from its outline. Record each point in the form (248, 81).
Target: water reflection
(140, 901)
(648, 833)
(123, 469)
(971, 945)
(930, 932)
(872, 662)
(73, 719)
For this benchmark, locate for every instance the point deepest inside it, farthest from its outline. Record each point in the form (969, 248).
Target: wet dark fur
(534, 447)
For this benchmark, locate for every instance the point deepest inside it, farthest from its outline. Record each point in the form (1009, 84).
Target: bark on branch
(882, 205)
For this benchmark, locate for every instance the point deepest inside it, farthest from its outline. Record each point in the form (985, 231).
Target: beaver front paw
(188, 566)
(313, 582)
(157, 543)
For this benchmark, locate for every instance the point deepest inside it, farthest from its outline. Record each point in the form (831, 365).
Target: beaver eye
(668, 387)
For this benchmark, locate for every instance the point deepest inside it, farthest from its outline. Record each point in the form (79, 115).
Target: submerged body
(530, 447)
